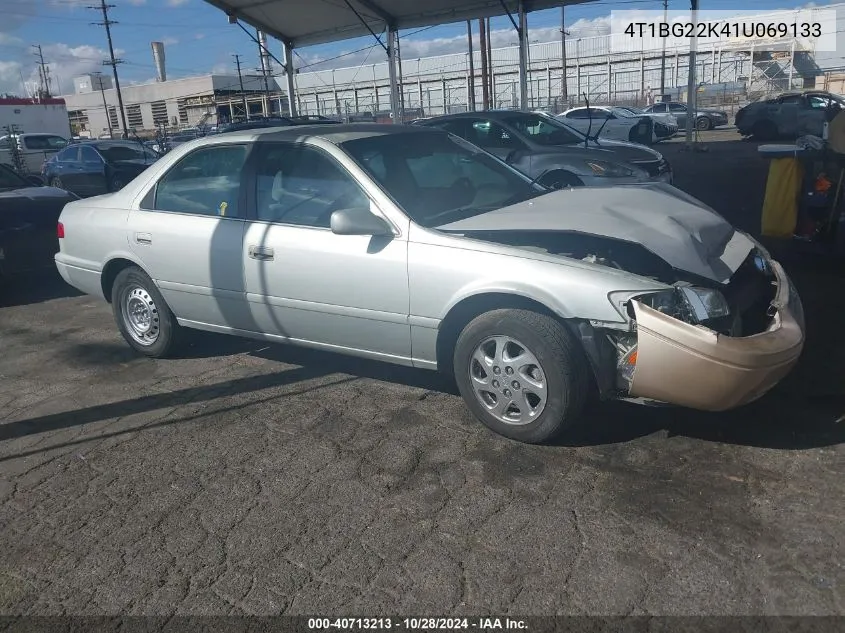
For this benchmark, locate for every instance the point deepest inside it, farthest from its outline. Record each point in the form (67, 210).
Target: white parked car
(666, 124)
(612, 123)
(35, 149)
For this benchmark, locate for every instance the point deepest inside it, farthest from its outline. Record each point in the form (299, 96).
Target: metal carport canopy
(300, 23)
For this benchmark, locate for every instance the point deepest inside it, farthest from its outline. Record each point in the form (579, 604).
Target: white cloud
(7, 39)
(199, 36)
(176, 3)
(137, 3)
(169, 41)
(67, 62)
(10, 77)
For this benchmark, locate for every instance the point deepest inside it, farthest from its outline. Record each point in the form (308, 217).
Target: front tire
(522, 374)
(116, 183)
(142, 316)
(703, 123)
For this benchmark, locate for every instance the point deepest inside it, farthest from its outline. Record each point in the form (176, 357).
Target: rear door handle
(262, 253)
(144, 238)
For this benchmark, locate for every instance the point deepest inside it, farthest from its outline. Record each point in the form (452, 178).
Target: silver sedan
(413, 246)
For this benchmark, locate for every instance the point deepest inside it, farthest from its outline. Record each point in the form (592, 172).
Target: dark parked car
(789, 115)
(97, 167)
(545, 148)
(705, 118)
(255, 124)
(29, 214)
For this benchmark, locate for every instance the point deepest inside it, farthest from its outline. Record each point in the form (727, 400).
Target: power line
(112, 61)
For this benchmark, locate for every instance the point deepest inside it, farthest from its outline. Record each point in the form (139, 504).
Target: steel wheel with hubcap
(141, 313)
(521, 373)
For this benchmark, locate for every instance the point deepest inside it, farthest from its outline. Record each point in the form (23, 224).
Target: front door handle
(144, 238)
(262, 253)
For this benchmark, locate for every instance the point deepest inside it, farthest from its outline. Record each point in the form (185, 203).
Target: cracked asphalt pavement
(246, 478)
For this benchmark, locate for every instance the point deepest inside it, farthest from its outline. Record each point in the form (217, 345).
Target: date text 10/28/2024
(417, 624)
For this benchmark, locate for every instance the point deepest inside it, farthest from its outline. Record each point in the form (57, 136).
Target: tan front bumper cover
(693, 366)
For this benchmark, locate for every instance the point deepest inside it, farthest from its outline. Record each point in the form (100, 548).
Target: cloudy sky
(198, 39)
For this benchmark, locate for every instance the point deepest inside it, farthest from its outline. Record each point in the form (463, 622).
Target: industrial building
(93, 109)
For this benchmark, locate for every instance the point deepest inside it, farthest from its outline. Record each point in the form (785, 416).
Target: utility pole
(264, 58)
(471, 86)
(112, 61)
(663, 55)
(564, 95)
(43, 74)
(241, 82)
(485, 84)
(401, 85)
(99, 77)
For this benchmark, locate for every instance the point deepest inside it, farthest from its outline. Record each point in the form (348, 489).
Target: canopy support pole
(395, 106)
(289, 76)
(522, 34)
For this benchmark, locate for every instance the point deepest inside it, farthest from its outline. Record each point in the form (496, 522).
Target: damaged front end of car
(708, 346)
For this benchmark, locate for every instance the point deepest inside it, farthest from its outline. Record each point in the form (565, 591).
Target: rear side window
(44, 142)
(205, 182)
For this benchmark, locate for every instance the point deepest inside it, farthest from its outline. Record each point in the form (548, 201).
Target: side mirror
(358, 221)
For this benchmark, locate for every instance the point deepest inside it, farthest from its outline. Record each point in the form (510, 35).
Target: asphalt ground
(246, 478)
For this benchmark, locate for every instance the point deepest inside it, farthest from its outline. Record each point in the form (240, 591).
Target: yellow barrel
(783, 189)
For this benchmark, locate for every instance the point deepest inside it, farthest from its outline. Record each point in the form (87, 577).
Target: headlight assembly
(609, 170)
(690, 304)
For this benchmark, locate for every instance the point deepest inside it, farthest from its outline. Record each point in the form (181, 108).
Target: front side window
(543, 130)
(205, 182)
(677, 107)
(657, 108)
(302, 185)
(490, 135)
(437, 178)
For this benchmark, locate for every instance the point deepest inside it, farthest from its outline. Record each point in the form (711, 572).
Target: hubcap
(508, 380)
(140, 315)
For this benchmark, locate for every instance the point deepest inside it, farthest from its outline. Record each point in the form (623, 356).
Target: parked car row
(414, 246)
(556, 155)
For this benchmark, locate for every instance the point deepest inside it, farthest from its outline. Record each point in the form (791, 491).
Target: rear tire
(703, 123)
(141, 314)
(522, 374)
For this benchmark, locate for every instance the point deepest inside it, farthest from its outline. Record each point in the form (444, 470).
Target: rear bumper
(83, 279)
(694, 367)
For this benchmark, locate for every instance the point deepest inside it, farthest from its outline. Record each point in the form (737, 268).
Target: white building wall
(28, 117)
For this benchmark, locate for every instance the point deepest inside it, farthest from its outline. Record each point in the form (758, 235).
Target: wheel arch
(110, 271)
(466, 309)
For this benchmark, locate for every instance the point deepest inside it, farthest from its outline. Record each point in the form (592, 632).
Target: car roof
(336, 134)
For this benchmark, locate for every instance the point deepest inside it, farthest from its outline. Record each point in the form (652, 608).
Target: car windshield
(10, 180)
(114, 153)
(632, 110)
(437, 178)
(543, 129)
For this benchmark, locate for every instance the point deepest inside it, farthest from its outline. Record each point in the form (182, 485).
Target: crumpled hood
(681, 230)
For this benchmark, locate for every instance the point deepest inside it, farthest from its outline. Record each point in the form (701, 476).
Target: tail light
(60, 230)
